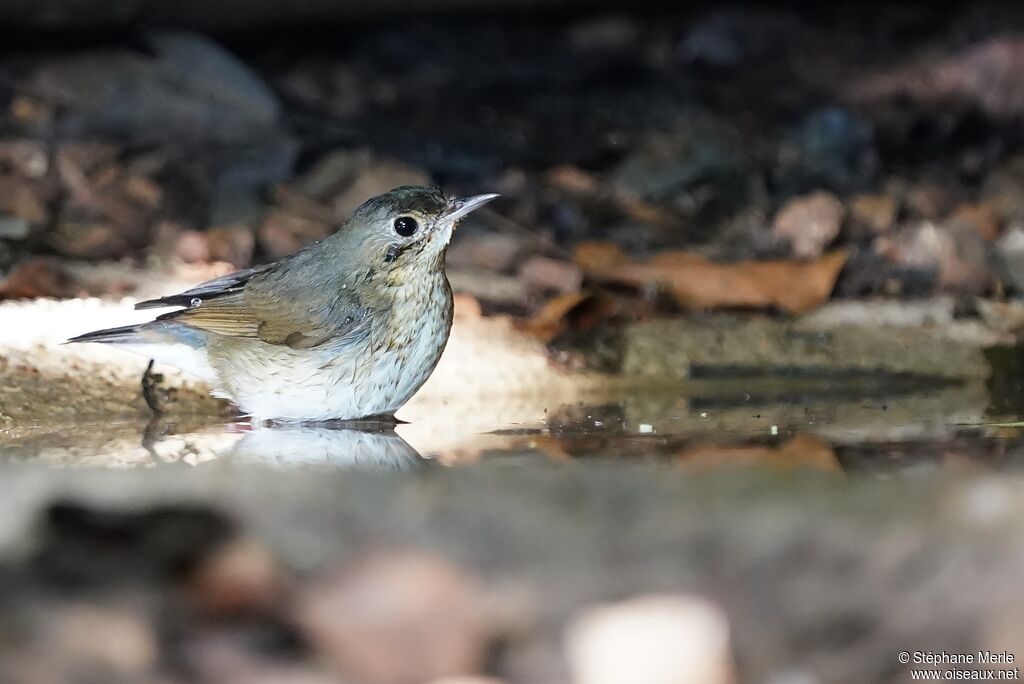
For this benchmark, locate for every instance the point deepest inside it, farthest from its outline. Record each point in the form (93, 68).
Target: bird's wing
(252, 304)
(226, 284)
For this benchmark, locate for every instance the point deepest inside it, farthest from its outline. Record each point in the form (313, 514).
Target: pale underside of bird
(346, 328)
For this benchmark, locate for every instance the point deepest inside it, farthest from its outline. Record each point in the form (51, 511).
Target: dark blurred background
(238, 131)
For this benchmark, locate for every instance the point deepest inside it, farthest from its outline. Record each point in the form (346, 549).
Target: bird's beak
(461, 207)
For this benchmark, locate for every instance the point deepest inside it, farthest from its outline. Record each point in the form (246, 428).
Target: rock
(658, 639)
(956, 253)
(242, 174)
(551, 275)
(810, 223)
(400, 618)
(240, 577)
(875, 213)
(188, 91)
(234, 244)
(283, 233)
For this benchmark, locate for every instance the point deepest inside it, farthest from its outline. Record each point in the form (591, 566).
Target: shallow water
(845, 425)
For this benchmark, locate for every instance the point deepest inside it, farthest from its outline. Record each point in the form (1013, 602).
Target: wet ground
(854, 425)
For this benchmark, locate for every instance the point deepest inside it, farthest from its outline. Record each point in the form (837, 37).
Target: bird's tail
(126, 333)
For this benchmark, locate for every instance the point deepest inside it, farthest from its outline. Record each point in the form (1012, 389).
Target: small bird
(346, 328)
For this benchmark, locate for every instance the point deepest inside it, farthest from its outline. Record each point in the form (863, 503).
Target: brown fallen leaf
(805, 451)
(552, 318)
(697, 283)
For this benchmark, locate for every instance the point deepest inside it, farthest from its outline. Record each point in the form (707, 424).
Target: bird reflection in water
(355, 444)
(358, 446)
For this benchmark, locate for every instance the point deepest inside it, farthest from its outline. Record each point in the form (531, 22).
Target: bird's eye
(406, 225)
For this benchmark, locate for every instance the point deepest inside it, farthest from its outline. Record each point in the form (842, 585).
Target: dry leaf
(551, 320)
(696, 283)
(808, 451)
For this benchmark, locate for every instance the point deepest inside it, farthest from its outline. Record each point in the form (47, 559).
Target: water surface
(857, 425)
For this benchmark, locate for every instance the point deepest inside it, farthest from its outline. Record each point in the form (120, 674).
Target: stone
(955, 252)
(396, 618)
(188, 91)
(238, 577)
(810, 223)
(656, 639)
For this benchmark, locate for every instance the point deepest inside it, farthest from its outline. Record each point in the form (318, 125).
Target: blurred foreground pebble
(396, 618)
(657, 639)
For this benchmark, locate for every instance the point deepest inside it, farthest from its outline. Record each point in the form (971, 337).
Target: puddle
(854, 425)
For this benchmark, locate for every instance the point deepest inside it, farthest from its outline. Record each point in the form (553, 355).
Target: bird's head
(408, 227)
